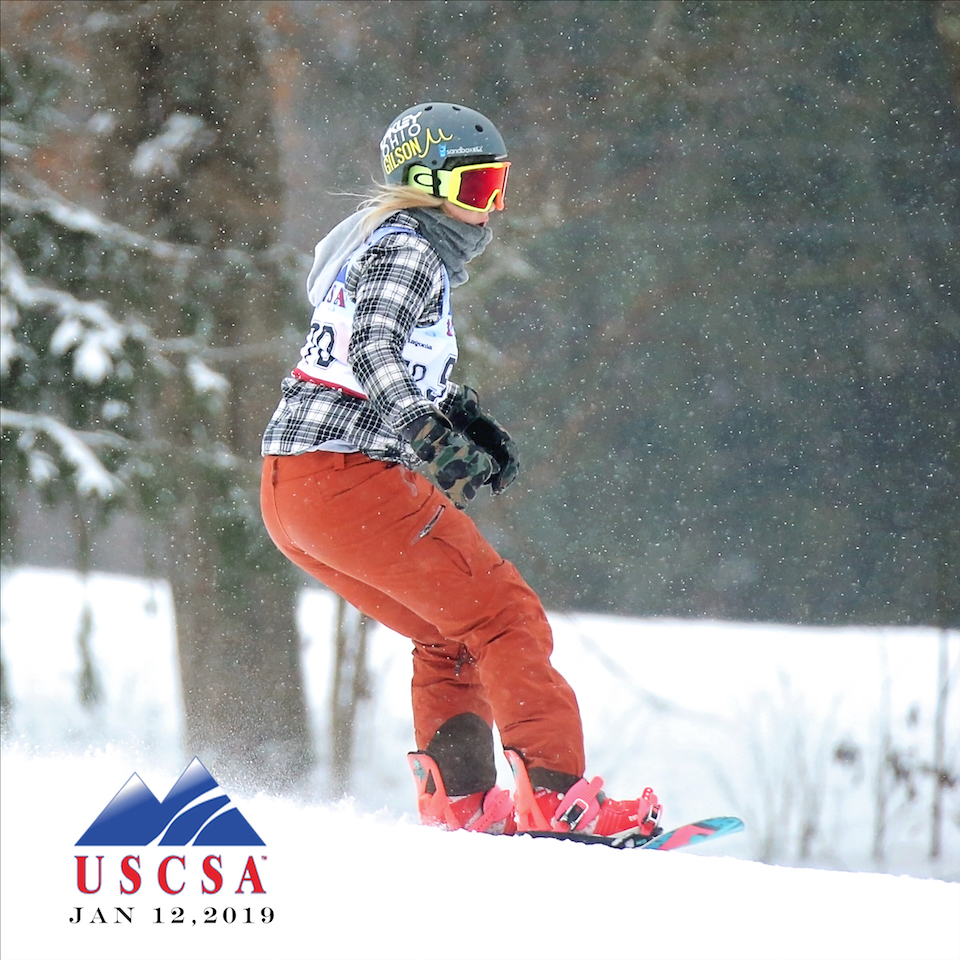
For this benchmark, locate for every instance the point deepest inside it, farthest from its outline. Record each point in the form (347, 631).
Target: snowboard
(676, 839)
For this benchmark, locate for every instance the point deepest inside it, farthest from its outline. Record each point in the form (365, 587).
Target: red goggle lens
(483, 187)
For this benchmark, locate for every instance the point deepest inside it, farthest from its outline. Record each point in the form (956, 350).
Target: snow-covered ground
(719, 718)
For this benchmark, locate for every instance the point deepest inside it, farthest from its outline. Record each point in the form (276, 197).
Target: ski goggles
(475, 186)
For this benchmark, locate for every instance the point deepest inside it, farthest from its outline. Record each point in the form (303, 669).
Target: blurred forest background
(721, 315)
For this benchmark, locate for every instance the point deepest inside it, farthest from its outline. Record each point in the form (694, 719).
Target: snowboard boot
(484, 812)
(582, 808)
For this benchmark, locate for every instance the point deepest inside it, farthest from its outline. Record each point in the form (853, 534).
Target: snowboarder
(369, 403)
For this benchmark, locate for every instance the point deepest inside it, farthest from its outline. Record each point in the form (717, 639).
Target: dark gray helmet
(439, 136)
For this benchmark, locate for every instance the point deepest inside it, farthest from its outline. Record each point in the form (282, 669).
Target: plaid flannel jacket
(397, 286)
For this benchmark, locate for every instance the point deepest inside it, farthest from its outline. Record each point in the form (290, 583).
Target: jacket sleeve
(453, 400)
(393, 285)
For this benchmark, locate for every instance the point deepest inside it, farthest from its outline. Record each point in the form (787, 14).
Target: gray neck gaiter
(456, 243)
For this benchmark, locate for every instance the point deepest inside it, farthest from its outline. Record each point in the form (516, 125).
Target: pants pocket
(455, 536)
(431, 523)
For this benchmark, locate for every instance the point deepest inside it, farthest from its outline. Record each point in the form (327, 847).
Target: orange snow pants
(390, 543)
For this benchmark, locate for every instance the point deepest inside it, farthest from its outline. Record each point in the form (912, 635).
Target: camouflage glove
(487, 434)
(454, 464)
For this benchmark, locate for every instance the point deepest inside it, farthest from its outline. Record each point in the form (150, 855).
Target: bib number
(418, 373)
(320, 352)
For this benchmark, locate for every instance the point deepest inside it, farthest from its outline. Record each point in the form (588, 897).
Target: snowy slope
(732, 719)
(344, 884)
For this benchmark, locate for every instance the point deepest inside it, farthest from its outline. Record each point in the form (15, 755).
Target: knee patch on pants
(463, 750)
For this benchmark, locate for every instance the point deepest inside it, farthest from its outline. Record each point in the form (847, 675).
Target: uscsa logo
(195, 813)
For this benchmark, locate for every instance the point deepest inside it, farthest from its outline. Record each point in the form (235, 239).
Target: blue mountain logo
(196, 812)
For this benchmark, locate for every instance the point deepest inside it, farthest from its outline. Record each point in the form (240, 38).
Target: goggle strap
(421, 169)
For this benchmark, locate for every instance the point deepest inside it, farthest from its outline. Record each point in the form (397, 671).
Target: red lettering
(213, 873)
(250, 873)
(336, 295)
(162, 874)
(82, 874)
(131, 874)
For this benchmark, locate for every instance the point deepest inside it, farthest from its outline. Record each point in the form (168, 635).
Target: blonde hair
(388, 198)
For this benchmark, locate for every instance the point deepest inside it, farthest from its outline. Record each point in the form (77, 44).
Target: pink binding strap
(579, 805)
(497, 806)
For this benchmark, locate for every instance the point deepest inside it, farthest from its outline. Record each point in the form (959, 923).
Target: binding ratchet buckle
(652, 815)
(580, 805)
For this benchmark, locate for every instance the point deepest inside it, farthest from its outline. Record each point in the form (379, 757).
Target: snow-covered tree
(72, 365)
(136, 354)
